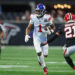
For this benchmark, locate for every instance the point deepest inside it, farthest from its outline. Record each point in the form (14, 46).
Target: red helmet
(69, 17)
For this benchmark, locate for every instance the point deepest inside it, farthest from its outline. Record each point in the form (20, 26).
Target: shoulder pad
(32, 16)
(48, 16)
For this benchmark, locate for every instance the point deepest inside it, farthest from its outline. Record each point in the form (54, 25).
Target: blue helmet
(41, 7)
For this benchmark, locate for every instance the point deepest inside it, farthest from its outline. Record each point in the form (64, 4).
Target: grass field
(20, 60)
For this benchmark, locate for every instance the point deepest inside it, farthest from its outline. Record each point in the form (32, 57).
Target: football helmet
(41, 8)
(69, 17)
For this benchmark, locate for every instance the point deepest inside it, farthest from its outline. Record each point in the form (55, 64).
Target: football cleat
(40, 63)
(73, 68)
(45, 70)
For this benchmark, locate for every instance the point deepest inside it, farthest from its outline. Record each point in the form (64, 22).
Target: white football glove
(48, 31)
(27, 38)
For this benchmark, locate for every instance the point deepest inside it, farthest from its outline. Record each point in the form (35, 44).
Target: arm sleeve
(50, 19)
(52, 37)
(60, 30)
(31, 20)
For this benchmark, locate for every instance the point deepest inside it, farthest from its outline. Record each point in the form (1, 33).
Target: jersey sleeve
(31, 20)
(50, 19)
(1, 28)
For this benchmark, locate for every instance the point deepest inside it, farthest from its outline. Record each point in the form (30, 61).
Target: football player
(69, 31)
(43, 25)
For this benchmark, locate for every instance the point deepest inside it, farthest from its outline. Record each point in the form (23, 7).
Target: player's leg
(39, 51)
(40, 54)
(45, 53)
(41, 58)
(45, 50)
(67, 54)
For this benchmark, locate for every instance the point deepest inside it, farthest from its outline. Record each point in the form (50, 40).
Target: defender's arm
(52, 37)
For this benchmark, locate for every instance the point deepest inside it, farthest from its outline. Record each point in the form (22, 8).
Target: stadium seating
(10, 15)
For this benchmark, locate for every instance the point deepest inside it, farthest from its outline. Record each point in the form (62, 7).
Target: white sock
(41, 60)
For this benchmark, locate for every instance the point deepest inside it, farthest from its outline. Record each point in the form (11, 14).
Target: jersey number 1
(40, 30)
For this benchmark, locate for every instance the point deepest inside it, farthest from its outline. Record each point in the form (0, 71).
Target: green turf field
(20, 60)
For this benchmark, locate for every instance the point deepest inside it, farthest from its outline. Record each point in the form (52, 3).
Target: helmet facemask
(40, 13)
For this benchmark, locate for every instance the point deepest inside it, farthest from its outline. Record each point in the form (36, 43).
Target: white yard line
(12, 66)
(56, 62)
(64, 62)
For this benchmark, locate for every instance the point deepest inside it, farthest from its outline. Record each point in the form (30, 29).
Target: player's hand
(27, 38)
(48, 30)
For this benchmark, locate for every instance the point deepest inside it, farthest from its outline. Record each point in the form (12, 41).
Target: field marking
(69, 71)
(12, 66)
(64, 62)
(29, 70)
(32, 47)
(51, 62)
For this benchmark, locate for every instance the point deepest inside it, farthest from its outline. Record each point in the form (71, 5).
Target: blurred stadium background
(18, 57)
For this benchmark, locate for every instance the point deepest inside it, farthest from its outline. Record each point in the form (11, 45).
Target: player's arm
(1, 33)
(27, 32)
(31, 22)
(52, 37)
(50, 27)
(28, 29)
(53, 27)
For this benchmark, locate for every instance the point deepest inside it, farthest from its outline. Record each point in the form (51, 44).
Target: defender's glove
(27, 38)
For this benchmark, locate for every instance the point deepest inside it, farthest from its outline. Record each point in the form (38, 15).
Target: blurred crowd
(58, 16)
